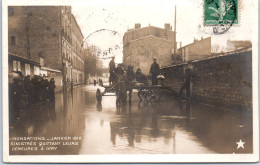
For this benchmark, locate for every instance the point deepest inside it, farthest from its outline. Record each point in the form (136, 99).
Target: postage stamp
(221, 12)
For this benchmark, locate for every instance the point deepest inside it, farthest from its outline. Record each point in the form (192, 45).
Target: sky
(110, 16)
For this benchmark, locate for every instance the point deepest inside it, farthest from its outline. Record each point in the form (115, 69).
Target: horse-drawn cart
(145, 92)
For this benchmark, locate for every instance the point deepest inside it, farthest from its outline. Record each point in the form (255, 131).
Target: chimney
(137, 26)
(167, 26)
(180, 44)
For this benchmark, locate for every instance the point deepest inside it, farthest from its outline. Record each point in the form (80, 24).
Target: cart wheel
(144, 95)
(141, 94)
(99, 95)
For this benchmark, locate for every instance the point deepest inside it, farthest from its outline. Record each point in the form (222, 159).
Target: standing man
(112, 67)
(154, 71)
(52, 87)
(28, 88)
(44, 88)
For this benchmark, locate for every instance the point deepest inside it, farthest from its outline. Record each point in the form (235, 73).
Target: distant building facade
(141, 45)
(199, 49)
(43, 34)
(77, 53)
(235, 45)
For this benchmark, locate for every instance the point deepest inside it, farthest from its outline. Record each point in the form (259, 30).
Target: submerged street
(177, 127)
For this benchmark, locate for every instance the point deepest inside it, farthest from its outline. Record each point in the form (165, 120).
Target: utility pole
(175, 43)
(27, 36)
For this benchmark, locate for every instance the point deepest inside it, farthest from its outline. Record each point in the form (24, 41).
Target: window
(41, 61)
(27, 69)
(10, 11)
(18, 66)
(13, 40)
(48, 28)
(36, 70)
(14, 65)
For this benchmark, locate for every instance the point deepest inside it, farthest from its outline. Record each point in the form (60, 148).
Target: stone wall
(224, 81)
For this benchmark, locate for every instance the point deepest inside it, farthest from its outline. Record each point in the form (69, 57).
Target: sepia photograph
(130, 81)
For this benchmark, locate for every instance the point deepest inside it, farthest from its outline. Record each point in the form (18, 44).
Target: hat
(154, 58)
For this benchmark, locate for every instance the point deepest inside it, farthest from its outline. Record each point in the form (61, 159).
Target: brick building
(43, 34)
(199, 49)
(141, 45)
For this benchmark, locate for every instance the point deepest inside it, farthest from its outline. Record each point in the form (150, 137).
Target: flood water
(173, 126)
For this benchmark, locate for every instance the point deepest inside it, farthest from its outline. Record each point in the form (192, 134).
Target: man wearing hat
(120, 69)
(112, 67)
(154, 71)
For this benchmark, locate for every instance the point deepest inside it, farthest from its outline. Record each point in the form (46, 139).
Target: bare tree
(93, 65)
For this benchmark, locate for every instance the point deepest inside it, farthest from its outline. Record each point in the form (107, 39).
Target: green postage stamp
(220, 12)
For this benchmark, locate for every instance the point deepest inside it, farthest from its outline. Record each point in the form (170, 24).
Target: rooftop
(132, 30)
(148, 36)
(23, 58)
(218, 55)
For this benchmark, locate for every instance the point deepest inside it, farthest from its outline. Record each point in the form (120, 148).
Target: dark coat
(27, 85)
(141, 77)
(130, 75)
(119, 70)
(52, 86)
(112, 66)
(155, 69)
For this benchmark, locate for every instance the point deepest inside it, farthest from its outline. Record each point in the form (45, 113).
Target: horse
(124, 84)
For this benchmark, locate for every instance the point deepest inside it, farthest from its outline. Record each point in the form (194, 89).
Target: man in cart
(154, 71)
(140, 77)
(112, 68)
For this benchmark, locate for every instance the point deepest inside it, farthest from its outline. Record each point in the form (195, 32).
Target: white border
(122, 158)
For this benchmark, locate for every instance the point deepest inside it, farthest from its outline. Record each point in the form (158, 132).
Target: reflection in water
(99, 107)
(185, 110)
(169, 126)
(52, 119)
(204, 127)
